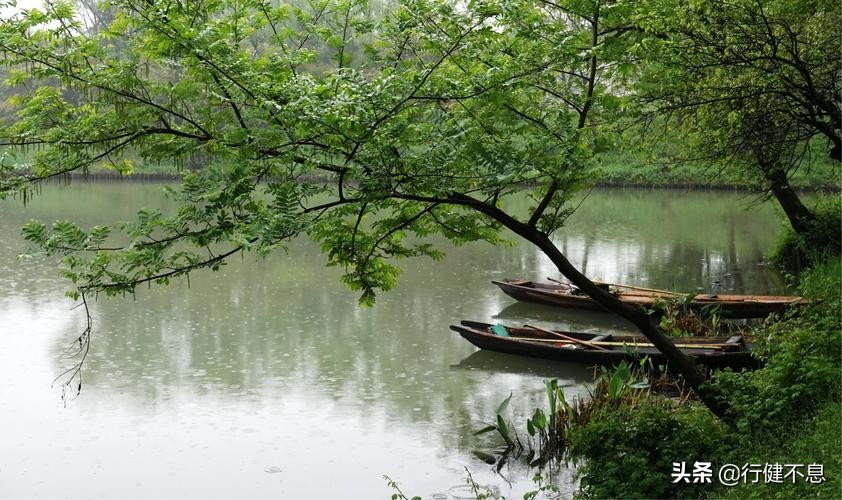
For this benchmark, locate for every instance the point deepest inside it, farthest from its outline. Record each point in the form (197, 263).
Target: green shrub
(629, 452)
(822, 285)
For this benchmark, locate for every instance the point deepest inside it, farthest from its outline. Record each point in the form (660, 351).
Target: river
(267, 380)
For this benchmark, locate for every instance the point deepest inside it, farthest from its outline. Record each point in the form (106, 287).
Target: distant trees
(94, 15)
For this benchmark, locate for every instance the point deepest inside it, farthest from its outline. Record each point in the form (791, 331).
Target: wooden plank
(620, 344)
(572, 339)
(632, 287)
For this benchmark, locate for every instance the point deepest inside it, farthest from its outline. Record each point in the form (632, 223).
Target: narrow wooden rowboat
(564, 295)
(594, 349)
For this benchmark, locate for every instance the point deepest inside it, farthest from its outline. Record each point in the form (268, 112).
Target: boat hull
(479, 335)
(731, 306)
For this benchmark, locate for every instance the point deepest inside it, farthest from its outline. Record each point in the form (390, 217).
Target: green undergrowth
(817, 440)
(802, 361)
(630, 452)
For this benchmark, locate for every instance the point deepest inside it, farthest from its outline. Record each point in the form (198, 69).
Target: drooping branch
(70, 380)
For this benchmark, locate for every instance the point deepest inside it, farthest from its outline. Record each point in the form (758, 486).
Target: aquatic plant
(549, 429)
(398, 494)
(479, 491)
(677, 318)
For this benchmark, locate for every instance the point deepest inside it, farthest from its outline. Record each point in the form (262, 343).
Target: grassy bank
(634, 170)
(629, 169)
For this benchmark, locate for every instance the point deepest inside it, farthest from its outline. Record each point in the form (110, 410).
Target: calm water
(266, 380)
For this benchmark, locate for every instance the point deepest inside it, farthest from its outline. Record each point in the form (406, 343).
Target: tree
(451, 112)
(753, 84)
(94, 17)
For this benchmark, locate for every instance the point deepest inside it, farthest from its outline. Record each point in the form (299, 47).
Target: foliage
(756, 74)
(426, 127)
(398, 494)
(549, 430)
(481, 492)
(501, 426)
(680, 320)
(628, 451)
(803, 360)
(821, 241)
(655, 167)
(814, 441)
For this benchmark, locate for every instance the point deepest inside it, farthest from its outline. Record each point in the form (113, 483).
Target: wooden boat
(565, 295)
(595, 349)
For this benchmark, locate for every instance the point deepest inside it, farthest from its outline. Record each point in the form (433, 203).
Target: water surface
(267, 380)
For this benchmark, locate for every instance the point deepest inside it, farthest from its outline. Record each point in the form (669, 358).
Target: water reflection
(568, 374)
(272, 365)
(672, 240)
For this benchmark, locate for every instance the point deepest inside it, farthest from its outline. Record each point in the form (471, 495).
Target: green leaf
(539, 419)
(503, 428)
(615, 386)
(485, 430)
(623, 371)
(504, 405)
(485, 457)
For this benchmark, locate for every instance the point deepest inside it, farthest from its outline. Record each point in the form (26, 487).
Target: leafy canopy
(308, 118)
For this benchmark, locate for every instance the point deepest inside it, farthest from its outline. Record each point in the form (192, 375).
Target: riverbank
(627, 170)
(619, 177)
(612, 170)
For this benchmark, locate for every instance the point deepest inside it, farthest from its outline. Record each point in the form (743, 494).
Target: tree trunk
(678, 362)
(836, 149)
(799, 215)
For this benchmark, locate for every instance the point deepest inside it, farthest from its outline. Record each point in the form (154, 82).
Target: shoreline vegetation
(623, 170)
(615, 180)
(626, 438)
